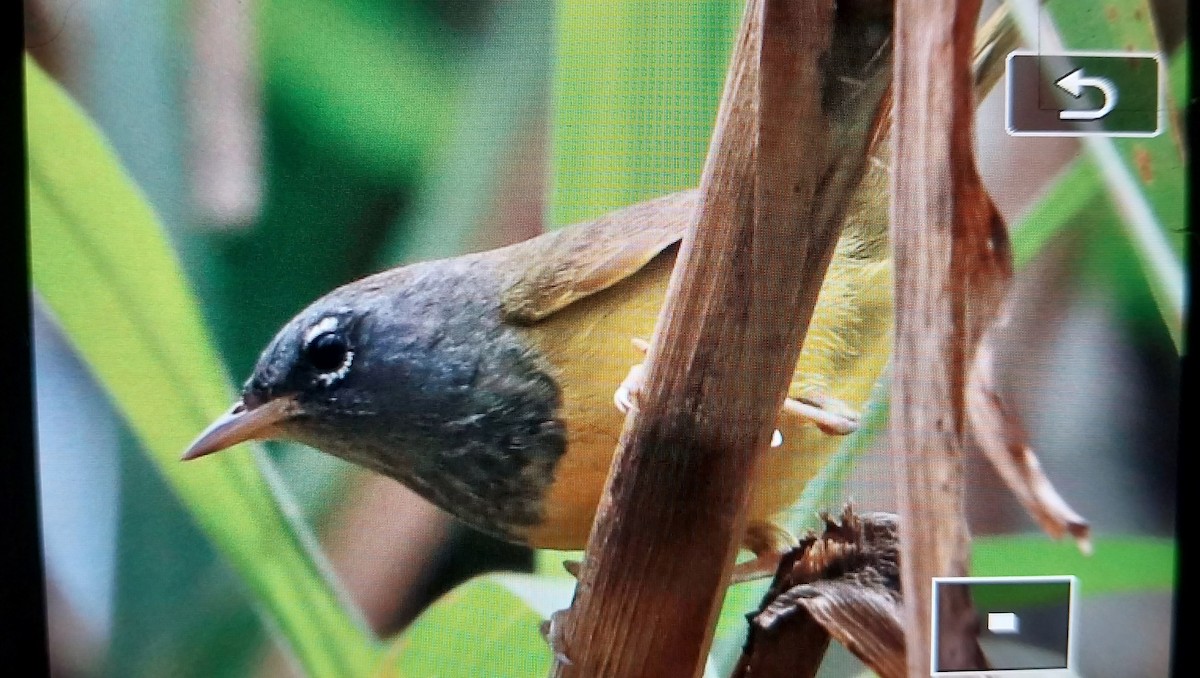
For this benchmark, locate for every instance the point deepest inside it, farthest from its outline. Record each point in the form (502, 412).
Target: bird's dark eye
(327, 351)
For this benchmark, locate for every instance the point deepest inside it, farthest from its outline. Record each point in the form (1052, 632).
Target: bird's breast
(589, 347)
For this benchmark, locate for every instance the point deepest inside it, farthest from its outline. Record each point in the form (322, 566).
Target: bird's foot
(768, 542)
(626, 395)
(552, 632)
(829, 414)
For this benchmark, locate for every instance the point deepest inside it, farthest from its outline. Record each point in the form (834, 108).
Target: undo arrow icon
(1074, 82)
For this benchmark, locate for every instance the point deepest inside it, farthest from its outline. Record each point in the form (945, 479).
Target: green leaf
(1126, 25)
(481, 628)
(101, 263)
(488, 626)
(1119, 564)
(1152, 169)
(636, 93)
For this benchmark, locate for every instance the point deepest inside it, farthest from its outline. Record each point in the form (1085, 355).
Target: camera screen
(387, 275)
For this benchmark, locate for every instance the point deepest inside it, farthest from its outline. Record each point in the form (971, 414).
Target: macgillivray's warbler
(486, 382)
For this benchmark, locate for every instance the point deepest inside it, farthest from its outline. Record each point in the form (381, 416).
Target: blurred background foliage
(376, 132)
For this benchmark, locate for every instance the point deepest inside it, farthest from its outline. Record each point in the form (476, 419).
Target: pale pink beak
(240, 424)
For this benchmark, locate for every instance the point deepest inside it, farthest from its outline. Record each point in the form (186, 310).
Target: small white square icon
(1002, 622)
(1025, 624)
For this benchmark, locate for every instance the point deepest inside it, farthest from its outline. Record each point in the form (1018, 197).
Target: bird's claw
(769, 543)
(830, 415)
(625, 397)
(551, 630)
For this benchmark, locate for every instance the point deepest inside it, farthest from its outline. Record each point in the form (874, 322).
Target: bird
(495, 384)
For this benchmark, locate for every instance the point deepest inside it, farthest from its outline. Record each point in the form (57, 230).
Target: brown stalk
(773, 198)
(942, 223)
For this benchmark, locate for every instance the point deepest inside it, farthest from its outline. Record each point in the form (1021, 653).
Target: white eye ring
(328, 325)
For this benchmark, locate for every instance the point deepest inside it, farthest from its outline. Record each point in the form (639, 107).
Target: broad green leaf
(636, 93)
(101, 263)
(1153, 167)
(481, 628)
(488, 626)
(549, 563)
(1119, 564)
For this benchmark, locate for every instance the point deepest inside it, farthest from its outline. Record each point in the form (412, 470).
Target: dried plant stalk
(772, 200)
(940, 218)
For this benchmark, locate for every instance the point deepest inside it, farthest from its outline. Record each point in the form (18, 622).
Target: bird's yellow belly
(589, 345)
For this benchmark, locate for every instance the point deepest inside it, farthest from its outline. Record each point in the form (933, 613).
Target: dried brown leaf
(1005, 443)
(843, 584)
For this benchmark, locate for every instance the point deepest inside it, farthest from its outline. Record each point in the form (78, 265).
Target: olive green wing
(548, 273)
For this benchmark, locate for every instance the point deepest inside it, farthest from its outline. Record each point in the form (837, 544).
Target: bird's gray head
(415, 377)
(323, 373)
(370, 363)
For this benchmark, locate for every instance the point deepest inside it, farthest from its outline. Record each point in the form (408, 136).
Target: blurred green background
(288, 147)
